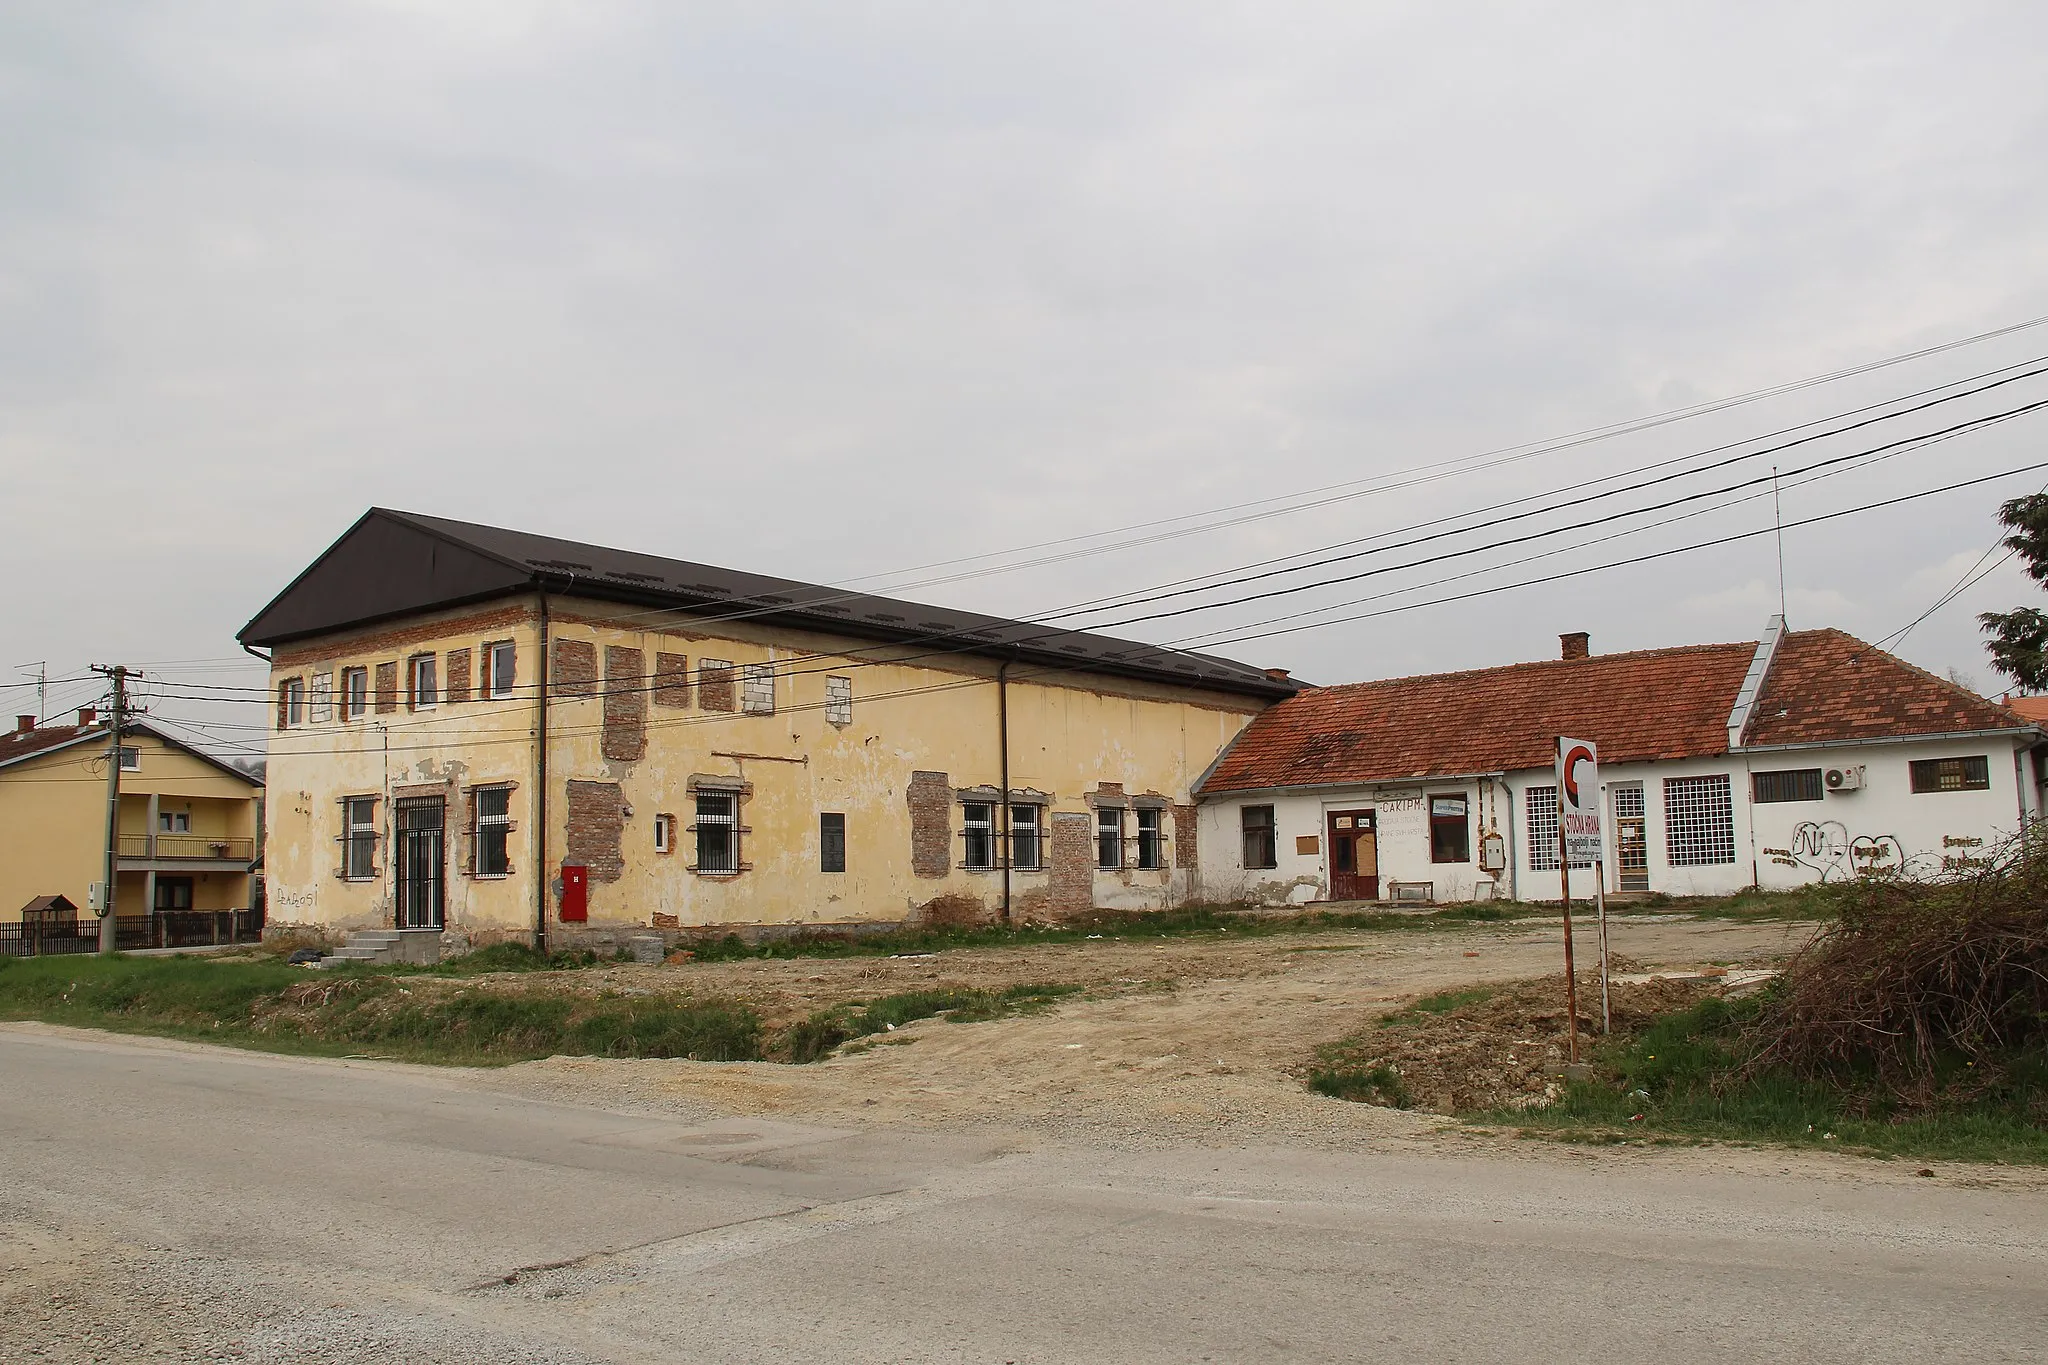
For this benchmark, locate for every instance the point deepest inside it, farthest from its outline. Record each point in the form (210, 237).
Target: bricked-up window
(1151, 847)
(1261, 849)
(1027, 838)
(758, 695)
(1699, 821)
(1951, 774)
(718, 832)
(455, 680)
(671, 679)
(359, 838)
(355, 692)
(387, 687)
(978, 819)
(838, 701)
(1790, 784)
(291, 703)
(714, 685)
(831, 841)
(423, 687)
(493, 831)
(575, 670)
(501, 670)
(320, 698)
(1541, 804)
(1450, 830)
(1109, 838)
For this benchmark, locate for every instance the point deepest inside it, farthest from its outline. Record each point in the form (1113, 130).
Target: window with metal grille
(1628, 802)
(1699, 821)
(831, 841)
(1260, 847)
(839, 701)
(978, 822)
(359, 838)
(1541, 805)
(1026, 838)
(1951, 774)
(1151, 844)
(718, 832)
(1790, 784)
(1109, 838)
(493, 827)
(757, 689)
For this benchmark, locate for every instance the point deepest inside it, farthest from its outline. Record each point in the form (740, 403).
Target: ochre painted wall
(1070, 733)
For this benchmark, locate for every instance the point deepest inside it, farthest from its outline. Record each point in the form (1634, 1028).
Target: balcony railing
(213, 846)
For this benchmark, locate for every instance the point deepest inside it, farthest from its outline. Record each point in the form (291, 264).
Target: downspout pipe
(540, 784)
(1003, 742)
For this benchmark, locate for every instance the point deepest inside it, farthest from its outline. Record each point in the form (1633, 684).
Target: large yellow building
(495, 733)
(189, 831)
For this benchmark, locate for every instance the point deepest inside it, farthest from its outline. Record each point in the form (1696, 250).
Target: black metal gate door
(421, 846)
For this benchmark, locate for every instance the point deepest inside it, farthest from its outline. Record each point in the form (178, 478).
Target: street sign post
(1582, 838)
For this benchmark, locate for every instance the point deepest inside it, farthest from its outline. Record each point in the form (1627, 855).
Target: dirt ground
(1171, 1039)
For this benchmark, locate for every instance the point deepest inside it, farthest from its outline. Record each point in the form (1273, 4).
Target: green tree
(2019, 638)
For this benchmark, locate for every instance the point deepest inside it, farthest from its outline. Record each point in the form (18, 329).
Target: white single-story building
(1805, 756)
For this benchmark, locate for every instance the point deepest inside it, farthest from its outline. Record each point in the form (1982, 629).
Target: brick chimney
(24, 724)
(1277, 674)
(87, 717)
(1577, 644)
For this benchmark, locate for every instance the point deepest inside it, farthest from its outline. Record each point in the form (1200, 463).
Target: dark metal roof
(392, 564)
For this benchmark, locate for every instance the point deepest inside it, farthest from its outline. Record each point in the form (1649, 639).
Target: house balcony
(207, 852)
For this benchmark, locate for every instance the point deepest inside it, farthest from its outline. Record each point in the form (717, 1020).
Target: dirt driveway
(1171, 1040)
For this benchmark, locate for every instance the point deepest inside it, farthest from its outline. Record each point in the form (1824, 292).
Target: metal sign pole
(1600, 902)
(1571, 982)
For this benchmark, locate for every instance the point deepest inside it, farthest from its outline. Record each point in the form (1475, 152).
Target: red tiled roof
(1825, 685)
(1653, 704)
(18, 744)
(2034, 710)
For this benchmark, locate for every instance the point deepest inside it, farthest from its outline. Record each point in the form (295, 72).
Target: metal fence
(46, 937)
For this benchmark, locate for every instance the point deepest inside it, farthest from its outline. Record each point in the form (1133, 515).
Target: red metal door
(575, 893)
(1354, 856)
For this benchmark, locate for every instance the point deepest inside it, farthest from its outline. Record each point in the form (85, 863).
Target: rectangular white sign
(1578, 800)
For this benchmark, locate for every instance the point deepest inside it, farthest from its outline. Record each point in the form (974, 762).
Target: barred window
(718, 832)
(1951, 774)
(1151, 846)
(757, 690)
(359, 838)
(978, 819)
(1025, 838)
(493, 825)
(1628, 802)
(1109, 838)
(839, 701)
(1791, 784)
(1699, 821)
(1541, 804)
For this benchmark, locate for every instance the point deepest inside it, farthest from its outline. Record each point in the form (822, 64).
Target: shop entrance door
(1631, 838)
(1354, 856)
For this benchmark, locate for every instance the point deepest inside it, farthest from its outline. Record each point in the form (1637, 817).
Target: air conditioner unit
(1843, 779)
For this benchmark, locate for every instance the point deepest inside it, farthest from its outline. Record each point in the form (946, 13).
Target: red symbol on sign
(1574, 756)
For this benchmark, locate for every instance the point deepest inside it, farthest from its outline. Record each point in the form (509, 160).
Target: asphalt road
(159, 1201)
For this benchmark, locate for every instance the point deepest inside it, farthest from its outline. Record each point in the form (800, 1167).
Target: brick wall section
(458, 675)
(399, 638)
(597, 824)
(1070, 889)
(387, 688)
(714, 686)
(575, 671)
(931, 824)
(1185, 853)
(625, 704)
(671, 679)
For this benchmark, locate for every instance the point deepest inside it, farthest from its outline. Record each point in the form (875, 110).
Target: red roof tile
(19, 744)
(2033, 710)
(1653, 704)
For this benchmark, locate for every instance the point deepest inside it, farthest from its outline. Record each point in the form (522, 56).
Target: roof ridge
(1495, 669)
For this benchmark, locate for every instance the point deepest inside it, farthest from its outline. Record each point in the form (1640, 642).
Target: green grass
(1380, 1085)
(1818, 901)
(1443, 1002)
(1681, 1077)
(814, 1038)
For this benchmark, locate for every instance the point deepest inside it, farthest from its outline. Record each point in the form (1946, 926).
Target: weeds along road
(169, 1201)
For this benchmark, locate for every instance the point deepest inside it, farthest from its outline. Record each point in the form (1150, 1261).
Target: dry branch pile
(1926, 988)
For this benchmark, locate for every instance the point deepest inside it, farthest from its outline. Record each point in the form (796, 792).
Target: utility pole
(108, 926)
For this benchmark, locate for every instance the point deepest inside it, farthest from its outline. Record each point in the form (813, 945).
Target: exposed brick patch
(458, 675)
(952, 911)
(597, 823)
(671, 679)
(1070, 887)
(625, 704)
(1185, 822)
(1109, 788)
(575, 672)
(714, 685)
(387, 687)
(931, 824)
(396, 639)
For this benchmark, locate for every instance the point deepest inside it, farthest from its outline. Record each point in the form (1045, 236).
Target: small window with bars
(718, 833)
(838, 701)
(493, 831)
(978, 828)
(1027, 838)
(1789, 784)
(757, 690)
(1699, 821)
(359, 838)
(1109, 838)
(1541, 805)
(831, 841)
(1151, 839)
(1951, 774)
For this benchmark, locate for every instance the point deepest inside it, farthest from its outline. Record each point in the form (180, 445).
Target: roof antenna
(1778, 518)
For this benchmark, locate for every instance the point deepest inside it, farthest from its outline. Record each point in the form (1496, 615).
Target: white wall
(1779, 845)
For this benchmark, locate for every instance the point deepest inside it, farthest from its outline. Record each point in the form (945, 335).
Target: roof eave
(1939, 737)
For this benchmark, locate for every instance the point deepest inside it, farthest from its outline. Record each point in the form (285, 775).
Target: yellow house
(189, 831)
(499, 734)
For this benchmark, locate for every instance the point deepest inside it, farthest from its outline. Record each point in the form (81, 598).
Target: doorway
(421, 842)
(1354, 856)
(1631, 838)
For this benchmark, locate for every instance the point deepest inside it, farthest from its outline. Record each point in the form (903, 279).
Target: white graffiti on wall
(1827, 847)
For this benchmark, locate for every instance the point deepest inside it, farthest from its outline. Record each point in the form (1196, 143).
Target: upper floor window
(423, 679)
(978, 820)
(1261, 849)
(757, 690)
(355, 692)
(131, 759)
(493, 831)
(1951, 774)
(291, 703)
(1789, 784)
(174, 822)
(1109, 838)
(501, 662)
(838, 701)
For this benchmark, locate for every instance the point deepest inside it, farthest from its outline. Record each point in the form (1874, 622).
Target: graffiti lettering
(1828, 848)
(1958, 841)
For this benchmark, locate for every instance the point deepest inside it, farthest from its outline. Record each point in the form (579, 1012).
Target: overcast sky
(835, 291)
